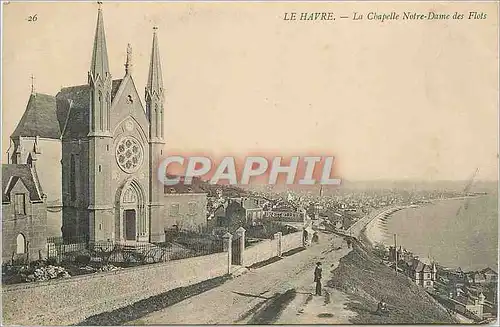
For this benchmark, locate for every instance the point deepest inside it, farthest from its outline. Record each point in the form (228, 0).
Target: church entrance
(130, 225)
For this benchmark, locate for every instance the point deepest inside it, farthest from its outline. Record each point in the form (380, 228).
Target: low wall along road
(69, 301)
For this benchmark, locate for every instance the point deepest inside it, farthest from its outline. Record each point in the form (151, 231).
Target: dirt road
(281, 292)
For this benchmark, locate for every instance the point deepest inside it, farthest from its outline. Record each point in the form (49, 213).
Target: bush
(82, 259)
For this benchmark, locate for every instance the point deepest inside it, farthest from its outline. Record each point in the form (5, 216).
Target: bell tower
(100, 139)
(154, 110)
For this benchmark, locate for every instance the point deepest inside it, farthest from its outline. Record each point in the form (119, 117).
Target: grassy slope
(366, 280)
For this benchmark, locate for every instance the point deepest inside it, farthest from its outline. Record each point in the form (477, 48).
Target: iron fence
(82, 251)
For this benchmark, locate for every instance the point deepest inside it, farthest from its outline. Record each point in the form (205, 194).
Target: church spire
(128, 63)
(99, 65)
(154, 93)
(155, 80)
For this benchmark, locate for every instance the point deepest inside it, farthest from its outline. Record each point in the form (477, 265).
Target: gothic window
(101, 112)
(108, 107)
(161, 123)
(92, 112)
(156, 119)
(129, 196)
(129, 154)
(20, 244)
(174, 209)
(20, 203)
(72, 177)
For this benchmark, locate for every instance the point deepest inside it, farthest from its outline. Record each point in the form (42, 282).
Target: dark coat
(317, 274)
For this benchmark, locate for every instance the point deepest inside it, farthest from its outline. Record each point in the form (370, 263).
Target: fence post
(241, 233)
(278, 237)
(228, 240)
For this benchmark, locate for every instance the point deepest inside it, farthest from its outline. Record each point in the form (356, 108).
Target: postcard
(207, 163)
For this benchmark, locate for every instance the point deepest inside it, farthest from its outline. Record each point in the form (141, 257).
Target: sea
(454, 232)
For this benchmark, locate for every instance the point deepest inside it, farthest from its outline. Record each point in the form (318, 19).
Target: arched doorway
(132, 213)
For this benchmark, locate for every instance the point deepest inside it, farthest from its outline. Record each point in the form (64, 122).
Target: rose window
(129, 154)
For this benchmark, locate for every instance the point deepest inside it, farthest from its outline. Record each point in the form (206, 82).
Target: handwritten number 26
(32, 18)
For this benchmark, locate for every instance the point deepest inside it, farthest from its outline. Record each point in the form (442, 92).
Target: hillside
(366, 281)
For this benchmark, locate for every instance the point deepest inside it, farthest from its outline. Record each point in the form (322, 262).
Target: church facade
(96, 150)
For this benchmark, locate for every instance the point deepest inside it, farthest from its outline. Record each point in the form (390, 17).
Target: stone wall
(291, 241)
(69, 301)
(260, 252)
(268, 249)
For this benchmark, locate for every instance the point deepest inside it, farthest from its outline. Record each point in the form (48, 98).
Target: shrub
(82, 259)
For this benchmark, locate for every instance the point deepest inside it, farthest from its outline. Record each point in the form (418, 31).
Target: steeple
(100, 83)
(128, 63)
(154, 92)
(155, 80)
(99, 66)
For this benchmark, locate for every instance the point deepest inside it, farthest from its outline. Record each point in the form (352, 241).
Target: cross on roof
(32, 84)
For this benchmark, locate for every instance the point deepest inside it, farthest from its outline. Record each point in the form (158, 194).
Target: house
(490, 275)
(185, 207)
(421, 273)
(469, 306)
(246, 206)
(24, 214)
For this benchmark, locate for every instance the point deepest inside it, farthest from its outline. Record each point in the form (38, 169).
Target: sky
(391, 100)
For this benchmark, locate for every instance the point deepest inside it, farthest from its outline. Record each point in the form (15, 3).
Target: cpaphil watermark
(302, 170)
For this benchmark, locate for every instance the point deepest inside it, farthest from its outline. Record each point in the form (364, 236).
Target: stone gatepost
(241, 234)
(227, 247)
(279, 237)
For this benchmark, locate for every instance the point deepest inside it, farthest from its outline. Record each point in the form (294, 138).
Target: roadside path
(280, 292)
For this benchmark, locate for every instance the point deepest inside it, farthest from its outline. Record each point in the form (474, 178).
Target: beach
(457, 232)
(376, 229)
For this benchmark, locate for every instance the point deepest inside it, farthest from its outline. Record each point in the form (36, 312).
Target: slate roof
(51, 117)
(40, 118)
(11, 174)
(488, 270)
(77, 125)
(194, 187)
(418, 266)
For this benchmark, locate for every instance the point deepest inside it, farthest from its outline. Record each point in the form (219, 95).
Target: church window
(72, 177)
(92, 112)
(174, 209)
(107, 147)
(101, 112)
(108, 107)
(156, 118)
(99, 168)
(161, 123)
(129, 154)
(20, 244)
(129, 196)
(20, 203)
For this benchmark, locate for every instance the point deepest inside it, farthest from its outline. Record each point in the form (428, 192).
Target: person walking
(317, 277)
(349, 243)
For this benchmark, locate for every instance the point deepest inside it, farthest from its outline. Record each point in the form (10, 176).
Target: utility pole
(395, 254)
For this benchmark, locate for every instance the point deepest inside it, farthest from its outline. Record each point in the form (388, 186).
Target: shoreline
(375, 231)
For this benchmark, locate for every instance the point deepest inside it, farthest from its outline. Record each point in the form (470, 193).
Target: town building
(96, 149)
(185, 207)
(422, 274)
(24, 214)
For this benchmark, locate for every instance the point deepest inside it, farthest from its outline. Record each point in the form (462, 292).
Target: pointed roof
(40, 118)
(75, 100)
(155, 79)
(99, 65)
(12, 173)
